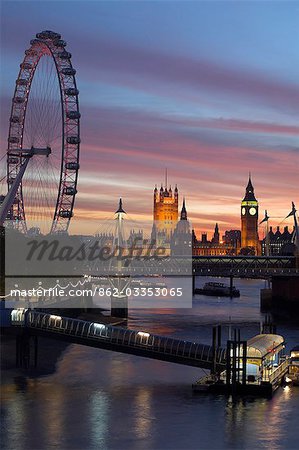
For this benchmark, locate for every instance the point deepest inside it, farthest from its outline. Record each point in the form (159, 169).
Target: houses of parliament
(169, 228)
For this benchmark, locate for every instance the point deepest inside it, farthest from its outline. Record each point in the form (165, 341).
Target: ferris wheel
(44, 132)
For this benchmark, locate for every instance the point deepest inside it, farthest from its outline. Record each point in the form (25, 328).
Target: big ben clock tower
(249, 219)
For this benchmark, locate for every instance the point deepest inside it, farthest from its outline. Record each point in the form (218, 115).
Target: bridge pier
(2, 261)
(284, 295)
(119, 306)
(231, 285)
(285, 292)
(24, 343)
(119, 299)
(265, 299)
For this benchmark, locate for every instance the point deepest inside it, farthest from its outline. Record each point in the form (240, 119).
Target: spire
(166, 178)
(249, 187)
(120, 207)
(249, 195)
(215, 239)
(184, 211)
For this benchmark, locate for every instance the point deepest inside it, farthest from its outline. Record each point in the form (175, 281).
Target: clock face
(243, 211)
(252, 211)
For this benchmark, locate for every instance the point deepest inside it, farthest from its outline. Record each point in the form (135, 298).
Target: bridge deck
(121, 340)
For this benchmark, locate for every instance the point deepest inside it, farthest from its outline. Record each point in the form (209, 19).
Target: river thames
(97, 399)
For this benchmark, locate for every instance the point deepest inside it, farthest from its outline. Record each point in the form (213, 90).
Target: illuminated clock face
(252, 211)
(243, 211)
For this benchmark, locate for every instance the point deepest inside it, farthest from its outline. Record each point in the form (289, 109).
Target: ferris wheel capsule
(65, 55)
(71, 91)
(22, 82)
(73, 115)
(70, 71)
(60, 43)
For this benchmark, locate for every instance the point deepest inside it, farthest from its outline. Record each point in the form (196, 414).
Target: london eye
(44, 132)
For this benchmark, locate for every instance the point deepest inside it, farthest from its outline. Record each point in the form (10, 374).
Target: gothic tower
(249, 220)
(184, 211)
(181, 242)
(216, 237)
(166, 209)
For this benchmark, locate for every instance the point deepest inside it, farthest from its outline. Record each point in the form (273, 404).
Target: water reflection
(260, 420)
(103, 400)
(143, 413)
(98, 416)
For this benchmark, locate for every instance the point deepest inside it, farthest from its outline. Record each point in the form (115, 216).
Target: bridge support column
(119, 306)
(35, 350)
(23, 350)
(87, 299)
(216, 343)
(193, 283)
(119, 299)
(285, 293)
(265, 299)
(231, 285)
(2, 262)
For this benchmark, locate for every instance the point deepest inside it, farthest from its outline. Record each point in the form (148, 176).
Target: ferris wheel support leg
(2, 262)
(9, 199)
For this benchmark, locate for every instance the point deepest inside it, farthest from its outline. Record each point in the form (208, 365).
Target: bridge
(245, 266)
(119, 339)
(237, 266)
(217, 266)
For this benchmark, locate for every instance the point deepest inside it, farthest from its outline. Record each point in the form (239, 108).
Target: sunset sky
(209, 90)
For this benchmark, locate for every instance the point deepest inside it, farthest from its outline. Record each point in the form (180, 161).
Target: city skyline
(207, 106)
(149, 228)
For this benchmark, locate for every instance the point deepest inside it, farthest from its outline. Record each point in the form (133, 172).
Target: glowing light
(99, 325)
(55, 317)
(142, 334)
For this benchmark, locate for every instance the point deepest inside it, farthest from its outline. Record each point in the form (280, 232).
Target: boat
(218, 290)
(293, 374)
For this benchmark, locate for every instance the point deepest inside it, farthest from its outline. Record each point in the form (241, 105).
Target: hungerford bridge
(223, 266)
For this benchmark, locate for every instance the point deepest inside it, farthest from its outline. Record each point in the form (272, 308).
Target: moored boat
(218, 290)
(293, 374)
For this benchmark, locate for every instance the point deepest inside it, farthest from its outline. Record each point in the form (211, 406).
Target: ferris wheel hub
(39, 151)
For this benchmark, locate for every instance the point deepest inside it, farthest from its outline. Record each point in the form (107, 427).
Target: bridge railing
(121, 337)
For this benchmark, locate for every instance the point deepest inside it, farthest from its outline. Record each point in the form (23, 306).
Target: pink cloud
(138, 67)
